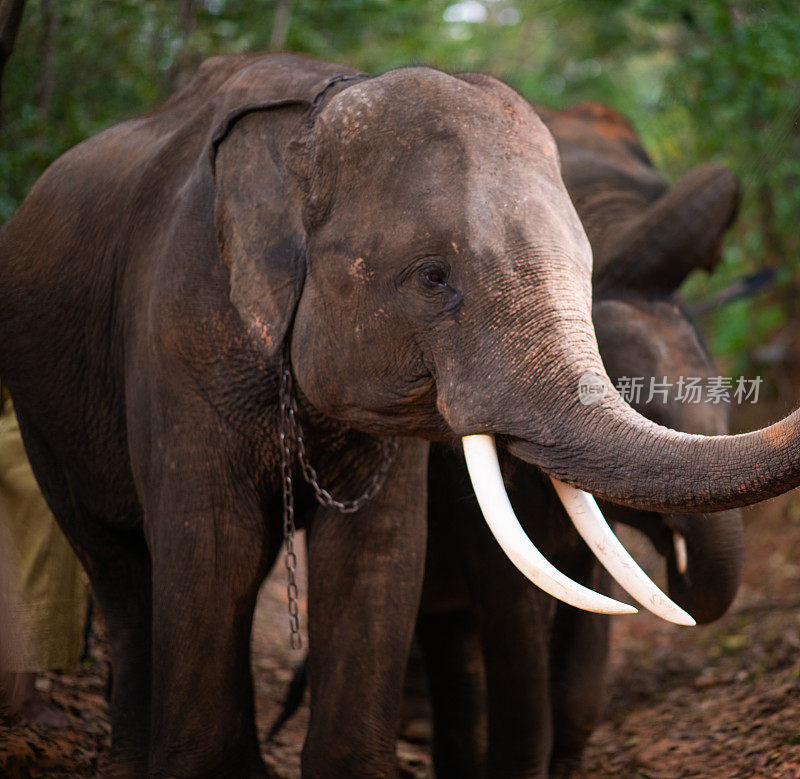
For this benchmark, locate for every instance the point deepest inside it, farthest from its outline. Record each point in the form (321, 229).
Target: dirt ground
(715, 701)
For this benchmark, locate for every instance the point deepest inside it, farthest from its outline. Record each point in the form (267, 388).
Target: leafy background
(712, 81)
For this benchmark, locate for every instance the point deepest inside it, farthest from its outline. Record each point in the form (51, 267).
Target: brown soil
(721, 700)
(715, 701)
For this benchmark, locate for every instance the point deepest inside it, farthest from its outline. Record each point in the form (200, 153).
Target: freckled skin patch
(358, 271)
(260, 330)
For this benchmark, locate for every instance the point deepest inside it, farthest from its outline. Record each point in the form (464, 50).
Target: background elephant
(404, 249)
(517, 678)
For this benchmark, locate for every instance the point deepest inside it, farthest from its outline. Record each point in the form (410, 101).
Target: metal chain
(295, 639)
(290, 432)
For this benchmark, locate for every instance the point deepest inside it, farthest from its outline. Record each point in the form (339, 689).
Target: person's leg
(42, 583)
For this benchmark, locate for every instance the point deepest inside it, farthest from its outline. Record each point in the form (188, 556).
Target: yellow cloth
(41, 580)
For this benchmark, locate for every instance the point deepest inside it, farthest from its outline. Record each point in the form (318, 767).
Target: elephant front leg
(514, 620)
(365, 577)
(454, 664)
(514, 635)
(579, 652)
(208, 563)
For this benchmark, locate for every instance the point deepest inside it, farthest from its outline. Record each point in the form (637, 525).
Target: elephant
(289, 250)
(527, 706)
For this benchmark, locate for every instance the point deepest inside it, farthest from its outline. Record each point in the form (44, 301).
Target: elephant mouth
(487, 482)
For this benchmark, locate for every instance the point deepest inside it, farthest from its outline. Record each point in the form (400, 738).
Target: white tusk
(681, 555)
(487, 481)
(590, 523)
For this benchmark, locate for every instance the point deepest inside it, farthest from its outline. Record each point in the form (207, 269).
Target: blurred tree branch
(47, 53)
(188, 16)
(280, 24)
(10, 18)
(187, 59)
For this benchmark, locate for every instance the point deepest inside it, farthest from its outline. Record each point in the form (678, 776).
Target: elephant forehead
(410, 106)
(425, 158)
(438, 199)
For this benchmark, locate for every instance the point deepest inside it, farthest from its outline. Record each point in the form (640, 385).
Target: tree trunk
(188, 18)
(51, 19)
(186, 59)
(10, 19)
(280, 24)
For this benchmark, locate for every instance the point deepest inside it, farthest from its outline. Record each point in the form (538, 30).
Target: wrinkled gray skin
(516, 677)
(411, 240)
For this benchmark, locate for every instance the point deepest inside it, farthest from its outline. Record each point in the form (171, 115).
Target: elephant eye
(434, 275)
(429, 277)
(434, 278)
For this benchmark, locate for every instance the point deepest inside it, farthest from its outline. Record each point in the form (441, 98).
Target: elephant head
(463, 308)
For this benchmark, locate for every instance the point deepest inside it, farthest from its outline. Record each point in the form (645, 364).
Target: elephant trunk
(677, 233)
(715, 556)
(564, 415)
(611, 451)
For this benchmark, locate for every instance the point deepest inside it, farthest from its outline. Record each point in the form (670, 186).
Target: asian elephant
(516, 677)
(405, 246)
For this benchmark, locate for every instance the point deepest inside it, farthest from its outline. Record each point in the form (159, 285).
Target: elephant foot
(242, 768)
(566, 768)
(117, 768)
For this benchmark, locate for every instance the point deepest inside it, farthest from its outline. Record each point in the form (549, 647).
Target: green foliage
(738, 68)
(712, 81)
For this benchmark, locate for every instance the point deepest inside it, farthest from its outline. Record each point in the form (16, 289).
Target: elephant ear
(258, 215)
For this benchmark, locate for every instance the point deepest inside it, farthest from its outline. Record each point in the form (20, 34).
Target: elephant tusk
(590, 523)
(487, 481)
(681, 555)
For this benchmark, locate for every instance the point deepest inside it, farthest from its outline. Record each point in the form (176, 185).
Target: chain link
(290, 432)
